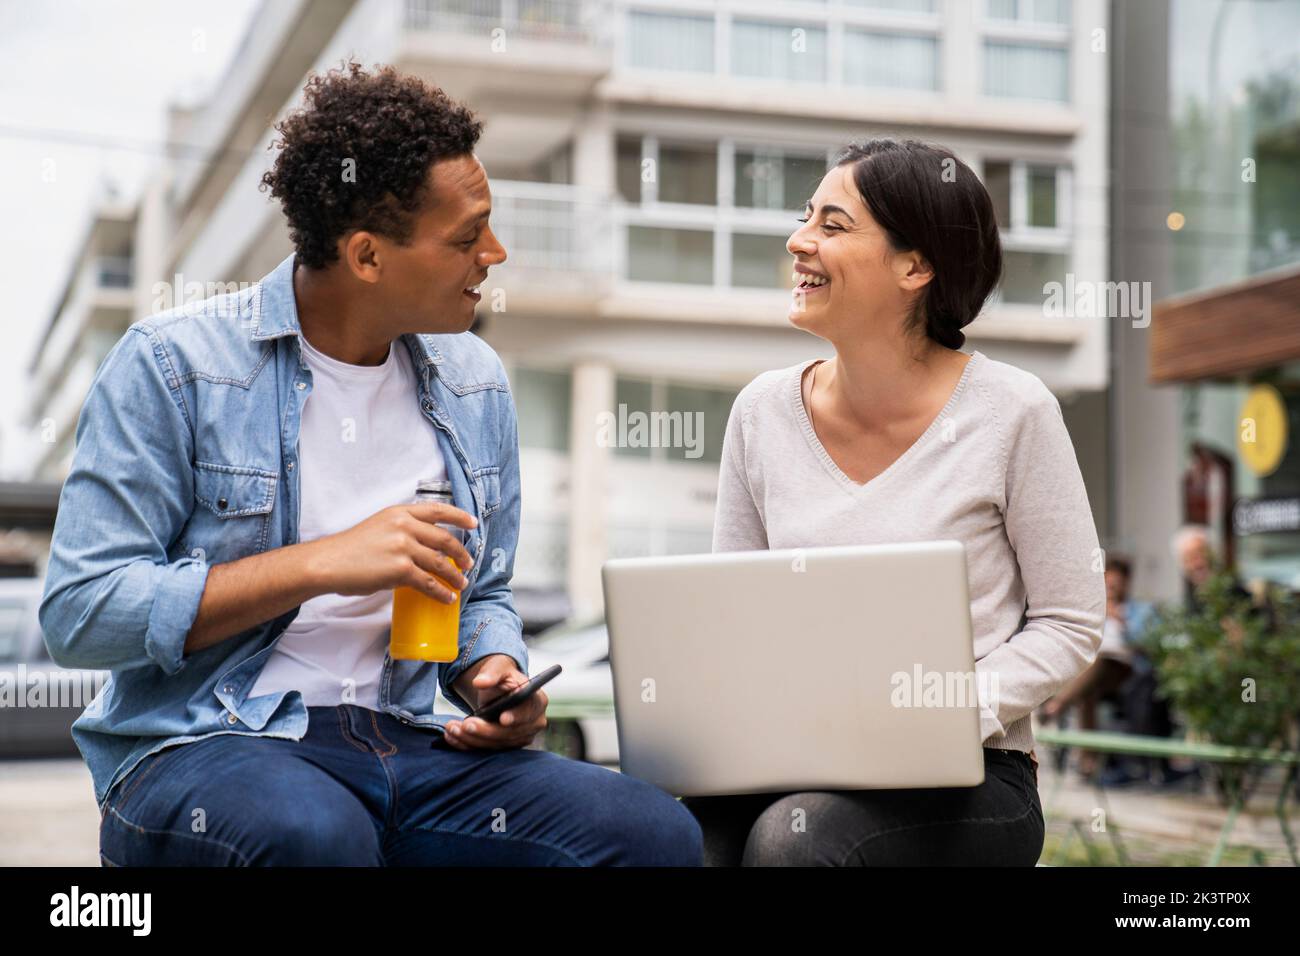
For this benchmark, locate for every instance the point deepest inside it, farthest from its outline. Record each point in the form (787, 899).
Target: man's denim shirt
(186, 456)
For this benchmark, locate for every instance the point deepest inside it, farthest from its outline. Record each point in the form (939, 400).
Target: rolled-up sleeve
(112, 599)
(489, 623)
(1050, 527)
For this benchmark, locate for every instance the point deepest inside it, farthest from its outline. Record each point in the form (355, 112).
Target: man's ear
(360, 253)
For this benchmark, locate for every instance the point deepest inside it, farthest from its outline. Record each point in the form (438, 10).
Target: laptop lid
(817, 668)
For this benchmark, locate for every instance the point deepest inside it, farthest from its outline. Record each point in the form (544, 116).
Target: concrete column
(152, 233)
(960, 59)
(1146, 435)
(593, 153)
(595, 176)
(593, 393)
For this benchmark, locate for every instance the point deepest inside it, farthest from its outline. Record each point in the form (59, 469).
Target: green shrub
(1231, 670)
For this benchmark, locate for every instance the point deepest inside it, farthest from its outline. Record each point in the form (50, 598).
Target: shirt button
(228, 689)
(221, 503)
(301, 385)
(232, 719)
(290, 466)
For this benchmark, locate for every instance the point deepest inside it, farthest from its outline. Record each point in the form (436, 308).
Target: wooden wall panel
(1227, 332)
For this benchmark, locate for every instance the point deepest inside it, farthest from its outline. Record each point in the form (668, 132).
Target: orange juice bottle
(424, 628)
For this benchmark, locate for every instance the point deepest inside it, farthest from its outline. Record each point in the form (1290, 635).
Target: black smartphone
(493, 709)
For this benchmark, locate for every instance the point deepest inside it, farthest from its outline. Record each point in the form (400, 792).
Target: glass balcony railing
(552, 228)
(113, 272)
(574, 21)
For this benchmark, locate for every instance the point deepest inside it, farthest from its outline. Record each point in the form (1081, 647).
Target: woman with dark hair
(901, 436)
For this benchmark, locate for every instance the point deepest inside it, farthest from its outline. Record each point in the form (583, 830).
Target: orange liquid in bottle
(424, 628)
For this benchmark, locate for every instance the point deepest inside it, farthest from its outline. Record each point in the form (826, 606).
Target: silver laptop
(816, 668)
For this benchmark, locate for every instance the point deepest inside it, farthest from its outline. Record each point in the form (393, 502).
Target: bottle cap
(432, 488)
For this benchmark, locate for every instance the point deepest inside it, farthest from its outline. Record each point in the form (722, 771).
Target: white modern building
(648, 160)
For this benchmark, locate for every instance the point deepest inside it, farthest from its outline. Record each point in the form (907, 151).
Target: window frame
(659, 388)
(832, 16)
(1025, 33)
(724, 219)
(1019, 236)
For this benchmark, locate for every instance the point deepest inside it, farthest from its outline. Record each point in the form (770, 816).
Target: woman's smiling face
(844, 265)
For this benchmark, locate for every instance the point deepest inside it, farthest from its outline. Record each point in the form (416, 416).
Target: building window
(774, 51)
(772, 179)
(1031, 204)
(736, 234)
(661, 41)
(634, 395)
(1026, 49)
(688, 174)
(710, 408)
(1026, 71)
(997, 180)
(1024, 273)
(647, 171)
(890, 44)
(1039, 186)
(760, 261)
(542, 401)
(627, 167)
(1041, 197)
(1031, 11)
(656, 254)
(896, 60)
(903, 6)
(674, 438)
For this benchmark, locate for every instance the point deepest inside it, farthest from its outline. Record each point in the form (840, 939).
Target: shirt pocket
(489, 479)
(232, 514)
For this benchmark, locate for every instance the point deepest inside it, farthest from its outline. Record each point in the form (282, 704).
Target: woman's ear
(912, 271)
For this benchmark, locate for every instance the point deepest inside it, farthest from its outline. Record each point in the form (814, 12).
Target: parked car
(580, 714)
(40, 699)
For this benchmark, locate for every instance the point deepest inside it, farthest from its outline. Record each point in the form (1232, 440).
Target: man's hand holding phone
(483, 682)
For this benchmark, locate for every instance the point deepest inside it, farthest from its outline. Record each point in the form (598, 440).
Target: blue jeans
(998, 823)
(363, 789)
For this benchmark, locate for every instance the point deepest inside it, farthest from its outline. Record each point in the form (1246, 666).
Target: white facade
(670, 294)
(95, 306)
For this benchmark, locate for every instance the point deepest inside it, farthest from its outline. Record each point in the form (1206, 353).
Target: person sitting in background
(1114, 663)
(1195, 557)
(1197, 562)
(1147, 710)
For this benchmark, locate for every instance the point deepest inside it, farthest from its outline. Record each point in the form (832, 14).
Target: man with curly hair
(237, 517)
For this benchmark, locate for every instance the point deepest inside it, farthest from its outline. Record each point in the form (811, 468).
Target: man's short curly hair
(392, 127)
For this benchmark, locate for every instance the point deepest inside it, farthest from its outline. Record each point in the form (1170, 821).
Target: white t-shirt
(1113, 644)
(363, 446)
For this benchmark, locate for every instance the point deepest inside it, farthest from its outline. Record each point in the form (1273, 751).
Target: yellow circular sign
(1262, 431)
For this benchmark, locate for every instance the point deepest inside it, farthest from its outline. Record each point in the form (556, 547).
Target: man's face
(1194, 556)
(426, 280)
(1116, 586)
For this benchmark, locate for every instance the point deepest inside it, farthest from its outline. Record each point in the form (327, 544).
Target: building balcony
(95, 311)
(563, 21)
(559, 244)
(570, 252)
(481, 48)
(576, 257)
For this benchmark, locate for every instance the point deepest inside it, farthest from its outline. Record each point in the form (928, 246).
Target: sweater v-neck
(822, 455)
